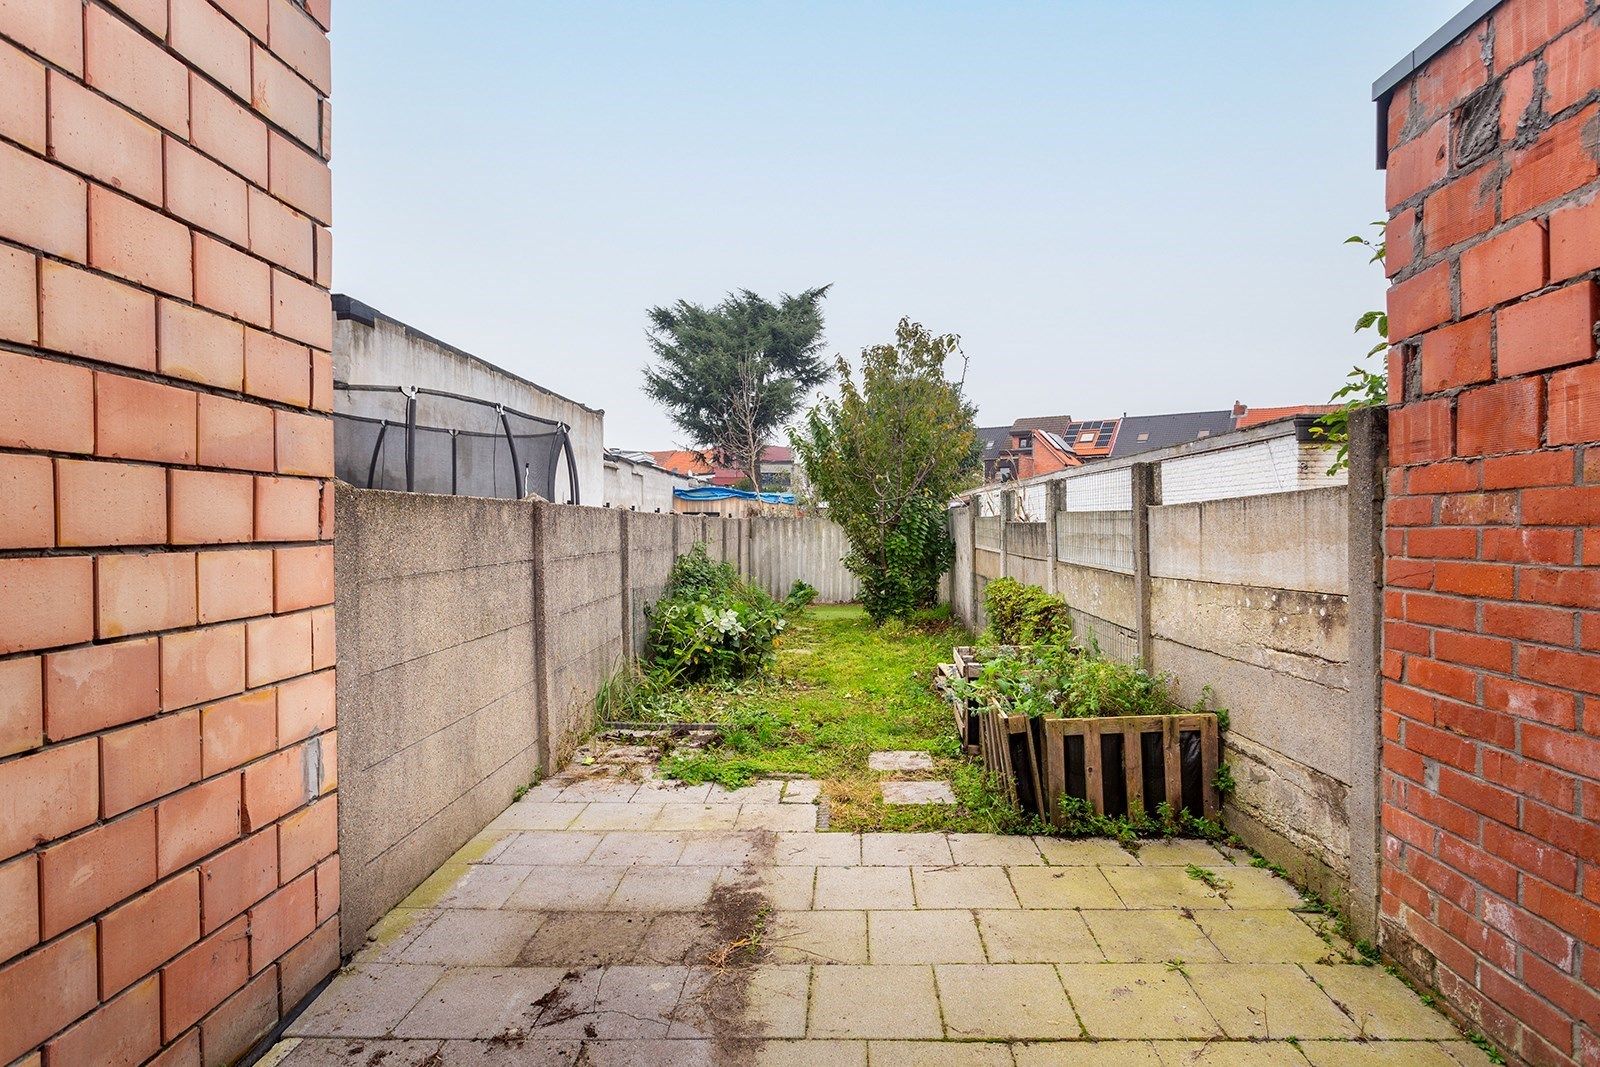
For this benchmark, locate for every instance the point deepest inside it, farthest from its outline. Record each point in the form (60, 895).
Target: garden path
(607, 921)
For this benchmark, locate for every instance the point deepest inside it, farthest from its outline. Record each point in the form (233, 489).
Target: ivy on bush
(915, 554)
(1021, 614)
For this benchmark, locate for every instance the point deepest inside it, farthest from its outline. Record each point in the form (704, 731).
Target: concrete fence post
(972, 561)
(1052, 504)
(1008, 508)
(543, 670)
(1143, 476)
(1369, 450)
(624, 521)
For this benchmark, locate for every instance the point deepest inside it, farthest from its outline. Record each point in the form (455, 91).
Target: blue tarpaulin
(723, 492)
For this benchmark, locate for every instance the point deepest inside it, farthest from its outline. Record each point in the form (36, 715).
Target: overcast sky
(1121, 207)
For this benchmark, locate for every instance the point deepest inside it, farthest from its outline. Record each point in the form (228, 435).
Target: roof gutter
(1383, 89)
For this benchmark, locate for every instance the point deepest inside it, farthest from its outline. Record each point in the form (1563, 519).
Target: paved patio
(607, 922)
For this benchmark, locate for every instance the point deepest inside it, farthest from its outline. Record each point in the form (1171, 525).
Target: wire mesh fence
(425, 441)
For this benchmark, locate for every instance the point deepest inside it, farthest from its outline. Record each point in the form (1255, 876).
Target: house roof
(993, 439)
(1257, 416)
(1142, 433)
(1059, 444)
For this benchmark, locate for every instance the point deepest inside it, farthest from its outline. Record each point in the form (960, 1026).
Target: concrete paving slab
(366, 1002)
(802, 792)
(1267, 1001)
(1136, 1000)
(587, 939)
(817, 850)
(899, 761)
(1037, 936)
(905, 850)
(1163, 887)
(611, 815)
(696, 817)
(764, 792)
(821, 937)
(530, 848)
(664, 889)
(1086, 1054)
(776, 817)
(910, 793)
(1179, 852)
(536, 815)
(1063, 887)
(564, 888)
(342, 1052)
(1011, 1001)
(808, 1053)
(719, 849)
(511, 1053)
(938, 1054)
(648, 1052)
(480, 1002)
(962, 887)
(1229, 1054)
(1389, 1053)
(683, 937)
(1150, 937)
(484, 885)
(923, 937)
(873, 1002)
(623, 1002)
(1252, 887)
(788, 888)
(861, 888)
(599, 788)
(991, 850)
(1380, 1005)
(1262, 936)
(671, 791)
(473, 939)
(743, 1003)
(632, 849)
(1084, 852)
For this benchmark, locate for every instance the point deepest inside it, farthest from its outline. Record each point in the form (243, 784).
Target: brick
(1518, 472)
(300, 42)
(326, 144)
(303, 967)
(52, 28)
(148, 931)
(305, 706)
(1572, 67)
(231, 282)
(324, 257)
(327, 746)
(184, 1052)
(1574, 240)
(1528, 622)
(85, 315)
(1523, 26)
(287, 509)
(321, 381)
(328, 889)
(206, 194)
(1469, 509)
(281, 235)
(1524, 545)
(136, 419)
(238, 877)
(1504, 417)
(1571, 996)
(123, 1033)
(1459, 211)
(276, 786)
(45, 602)
(199, 346)
(307, 836)
(1450, 76)
(251, 14)
(19, 906)
(301, 310)
(21, 708)
(151, 14)
(304, 444)
(1556, 163)
(1409, 574)
(1473, 650)
(1548, 331)
(1570, 670)
(197, 822)
(235, 434)
(1456, 355)
(134, 242)
(321, 10)
(210, 507)
(45, 206)
(94, 136)
(303, 577)
(277, 647)
(1417, 164)
(1399, 236)
(48, 794)
(228, 131)
(1563, 910)
(276, 369)
(241, 1020)
(1575, 405)
(235, 584)
(19, 294)
(109, 504)
(140, 593)
(208, 41)
(286, 99)
(300, 179)
(124, 65)
(325, 511)
(237, 731)
(1575, 837)
(204, 977)
(1575, 588)
(85, 875)
(1518, 116)
(1537, 781)
(323, 652)
(27, 485)
(43, 992)
(1458, 477)
(98, 686)
(147, 761)
(282, 921)
(1577, 506)
(45, 405)
(1506, 266)
(1420, 432)
(201, 665)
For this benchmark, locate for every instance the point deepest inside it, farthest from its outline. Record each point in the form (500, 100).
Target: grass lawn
(841, 689)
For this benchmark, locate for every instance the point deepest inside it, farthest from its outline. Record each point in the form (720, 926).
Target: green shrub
(1051, 679)
(711, 625)
(1021, 614)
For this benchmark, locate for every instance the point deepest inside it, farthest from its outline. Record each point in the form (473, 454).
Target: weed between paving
(841, 689)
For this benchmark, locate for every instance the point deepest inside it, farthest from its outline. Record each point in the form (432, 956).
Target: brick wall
(168, 872)
(1491, 761)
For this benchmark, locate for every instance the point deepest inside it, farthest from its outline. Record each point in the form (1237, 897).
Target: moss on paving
(841, 689)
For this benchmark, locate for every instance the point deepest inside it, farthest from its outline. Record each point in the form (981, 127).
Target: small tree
(730, 376)
(886, 457)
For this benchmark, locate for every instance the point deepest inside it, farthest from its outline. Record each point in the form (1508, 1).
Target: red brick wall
(168, 870)
(1491, 766)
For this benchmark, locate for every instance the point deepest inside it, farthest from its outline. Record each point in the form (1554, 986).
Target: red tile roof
(1257, 416)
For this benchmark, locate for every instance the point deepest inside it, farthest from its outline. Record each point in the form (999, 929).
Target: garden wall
(1244, 586)
(476, 633)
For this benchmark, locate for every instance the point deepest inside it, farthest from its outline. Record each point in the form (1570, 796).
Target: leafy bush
(912, 557)
(1049, 679)
(1021, 614)
(712, 625)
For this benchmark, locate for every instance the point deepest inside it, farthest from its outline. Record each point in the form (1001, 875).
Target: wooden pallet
(997, 729)
(1171, 728)
(960, 710)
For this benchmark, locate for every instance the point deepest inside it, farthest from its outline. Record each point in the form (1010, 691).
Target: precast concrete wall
(784, 551)
(1239, 583)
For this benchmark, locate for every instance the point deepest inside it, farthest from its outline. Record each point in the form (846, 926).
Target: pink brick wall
(1491, 767)
(169, 877)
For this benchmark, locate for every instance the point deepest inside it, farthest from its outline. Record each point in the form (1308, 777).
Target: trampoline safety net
(424, 441)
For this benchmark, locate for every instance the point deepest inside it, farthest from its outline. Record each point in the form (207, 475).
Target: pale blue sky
(1121, 207)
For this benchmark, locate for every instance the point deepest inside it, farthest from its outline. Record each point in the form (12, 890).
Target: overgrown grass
(841, 689)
